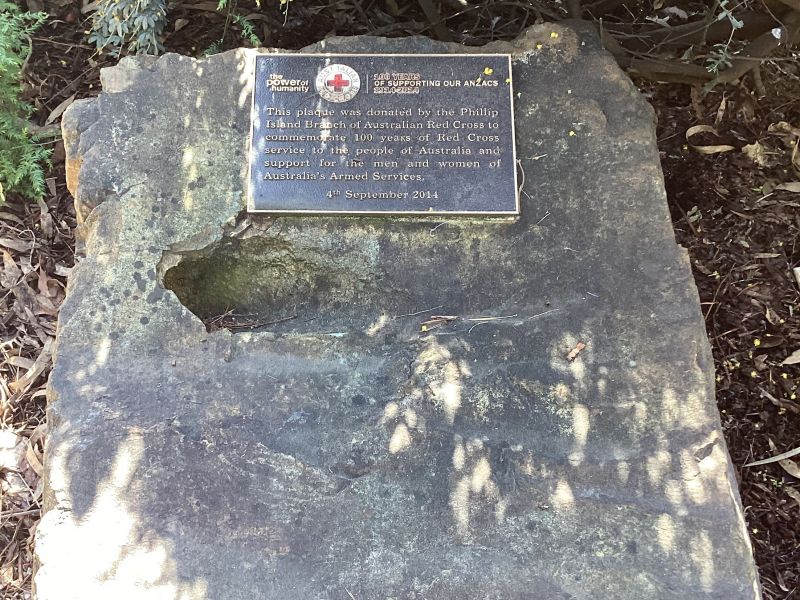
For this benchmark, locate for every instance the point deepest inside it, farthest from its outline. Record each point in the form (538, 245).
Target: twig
(55, 43)
(283, 320)
(522, 183)
(760, 47)
(421, 312)
(486, 319)
(476, 325)
(547, 312)
(785, 404)
(23, 513)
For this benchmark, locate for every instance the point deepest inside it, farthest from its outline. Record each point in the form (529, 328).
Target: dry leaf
(42, 362)
(772, 316)
(16, 244)
(793, 494)
(20, 361)
(37, 493)
(723, 104)
(33, 457)
(11, 450)
(51, 187)
(7, 216)
(7, 575)
(773, 459)
(436, 321)
(757, 153)
(63, 270)
(772, 341)
(10, 274)
(706, 149)
(792, 359)
(780, 403)
(46, 306)
(680, 13)
(784, 128)
(576, 350)
(792, 186)
(17, 486)
(45, 219)
(791, 467)
(60, 109)
(43, 284)
(38, 434)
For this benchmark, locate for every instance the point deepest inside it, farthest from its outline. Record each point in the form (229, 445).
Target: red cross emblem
(338, 83)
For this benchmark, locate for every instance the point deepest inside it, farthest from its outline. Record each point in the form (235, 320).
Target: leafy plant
(246, 25)
(248, 29)
(21, 156)
(137, 24)
(720, 55)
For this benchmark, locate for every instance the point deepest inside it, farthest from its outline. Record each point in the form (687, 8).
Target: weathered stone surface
(342, 453)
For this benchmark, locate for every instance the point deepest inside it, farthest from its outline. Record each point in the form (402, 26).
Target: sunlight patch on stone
(665, 530)
(401, 439)
(563, 497)
(105, 547)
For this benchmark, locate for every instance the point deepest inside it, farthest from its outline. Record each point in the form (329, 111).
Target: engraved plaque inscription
(388, 133)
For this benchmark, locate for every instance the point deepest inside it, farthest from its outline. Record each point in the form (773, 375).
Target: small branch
(646, 37)
(761, 47)
(758, 83)
(664, 70)
(420, 312)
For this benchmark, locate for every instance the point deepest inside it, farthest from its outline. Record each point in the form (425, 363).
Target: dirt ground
(730, 194)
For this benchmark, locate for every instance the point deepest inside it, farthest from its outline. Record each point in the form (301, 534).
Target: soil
(740, 228)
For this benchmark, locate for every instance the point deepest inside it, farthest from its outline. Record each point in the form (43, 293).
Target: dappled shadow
(126, 555)
(350, 452)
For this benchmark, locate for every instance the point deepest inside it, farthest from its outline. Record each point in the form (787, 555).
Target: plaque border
(373, 213)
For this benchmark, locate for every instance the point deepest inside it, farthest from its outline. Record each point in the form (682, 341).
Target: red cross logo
(338, 83)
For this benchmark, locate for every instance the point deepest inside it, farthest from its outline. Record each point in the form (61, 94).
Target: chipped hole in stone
(266, 283)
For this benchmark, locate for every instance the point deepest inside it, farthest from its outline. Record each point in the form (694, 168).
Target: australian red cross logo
(338, 83)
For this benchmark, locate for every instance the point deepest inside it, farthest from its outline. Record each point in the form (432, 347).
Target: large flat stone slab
(340, 452)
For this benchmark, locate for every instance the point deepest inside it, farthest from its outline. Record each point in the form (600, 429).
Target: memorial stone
(359, 407)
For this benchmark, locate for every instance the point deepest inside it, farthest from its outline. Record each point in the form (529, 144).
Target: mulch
(740, 227)
(743, 236)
